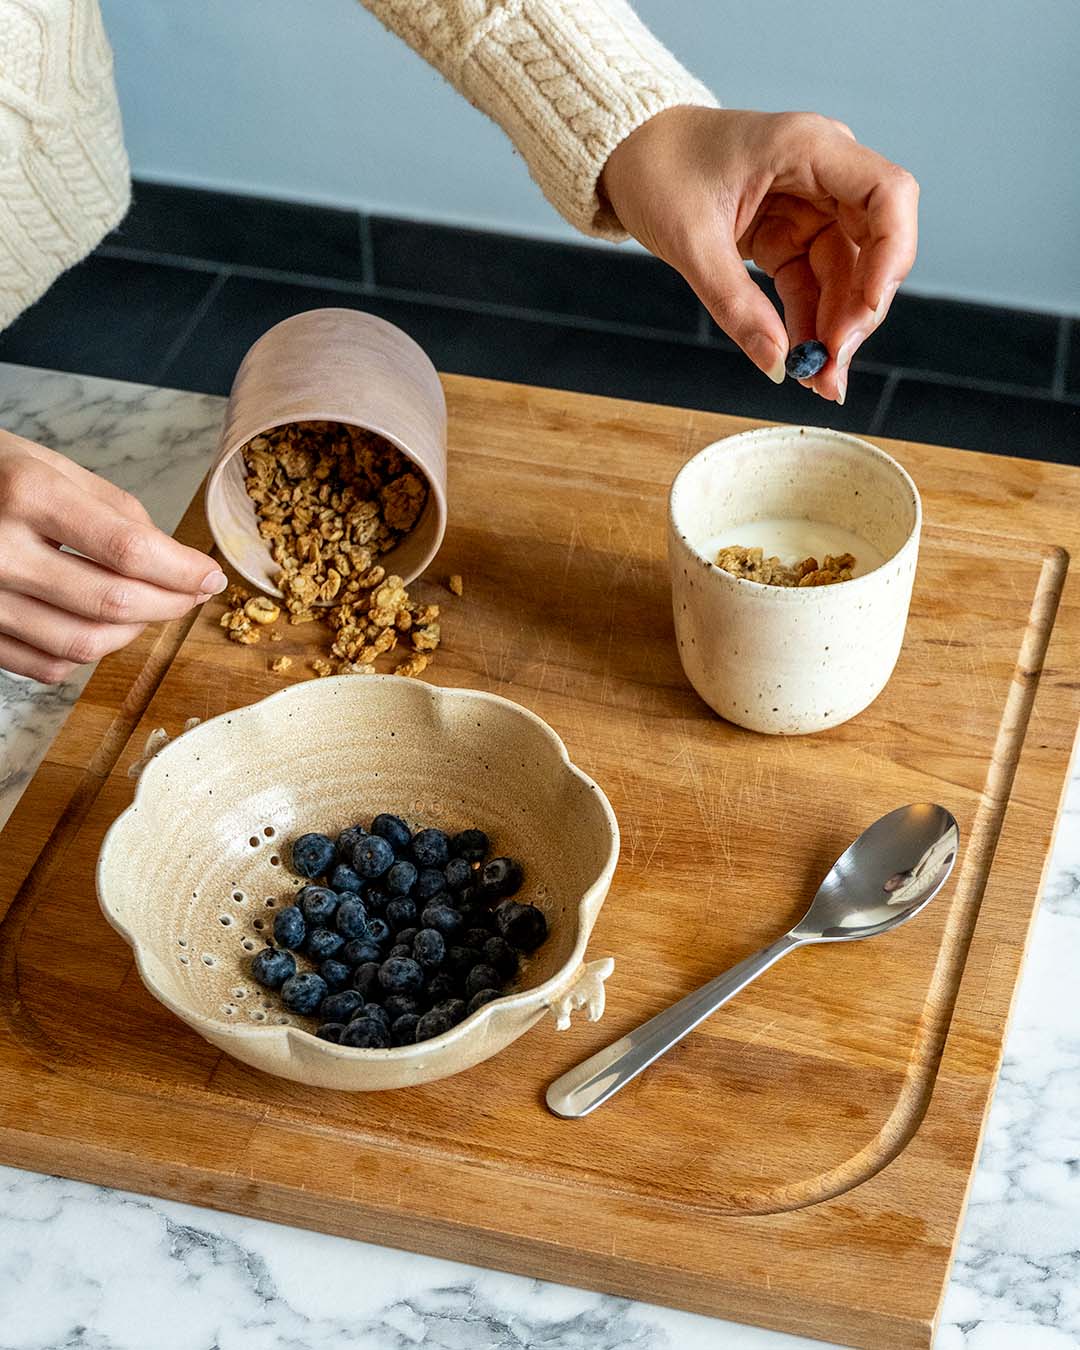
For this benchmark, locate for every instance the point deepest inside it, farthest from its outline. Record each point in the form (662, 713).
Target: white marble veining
(87, 1268)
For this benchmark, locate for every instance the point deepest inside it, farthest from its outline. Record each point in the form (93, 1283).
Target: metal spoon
(886, 876)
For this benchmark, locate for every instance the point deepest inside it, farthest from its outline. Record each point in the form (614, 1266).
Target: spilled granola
(752, 565)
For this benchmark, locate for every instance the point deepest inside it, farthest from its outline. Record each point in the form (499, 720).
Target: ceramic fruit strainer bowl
(192, 873)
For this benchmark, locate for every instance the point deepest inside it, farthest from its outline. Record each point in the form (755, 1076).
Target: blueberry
(442, 917)
(460, 960)
(399, 949)
(312, 855)
(501, 956)
(376, 900)
(290, 928)
(303, 993)
(429, 948)
(378, 931)
(322, 943)
(406, 935)
(400, 913)
(318, 904)
(397, 1005)
(442, 987)
(372, 856)
(500, 877)
(481, 977)
(377, 1013)
(365, 978)
(481, 997)
(435, 1022)
(431, 848)
(351, 919)
(400, 975)
(331, 1031)
(523, 926)
(343, 878)
(403, 1029)
(428, 883)
(336, 974)
(341, 1007)
(472, 845)
(806, 359)
(347, 840)
(401, 878)
(358, 951)
(480, 922)
(458, 874)
(394, 830)
(366, 1034)
(476, 937)
(272, 967)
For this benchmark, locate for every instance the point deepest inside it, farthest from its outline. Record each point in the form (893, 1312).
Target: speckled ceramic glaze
(193, 872)
(791, 661)
(334, 365)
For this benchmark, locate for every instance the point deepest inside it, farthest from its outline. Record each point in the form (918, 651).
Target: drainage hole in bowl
(283, 1021)
(269, 831)
(183, 959)
(181, 942)
(229, 1009)
(239, 897)
(258, 925)
(225, 920)
(254, 841)
(274, 860)
(239, 992)
(247, 945)
(257, 1015)
(209, 960)
(271, 901)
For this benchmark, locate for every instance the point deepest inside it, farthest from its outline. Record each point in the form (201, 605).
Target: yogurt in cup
(792, 660)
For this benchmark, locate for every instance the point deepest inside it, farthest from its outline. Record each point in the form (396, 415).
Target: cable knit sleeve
(567, 80)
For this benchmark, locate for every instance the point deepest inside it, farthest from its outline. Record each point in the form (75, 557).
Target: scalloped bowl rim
(539, 997)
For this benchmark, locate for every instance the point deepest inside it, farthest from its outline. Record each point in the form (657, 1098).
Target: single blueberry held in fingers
(365, 979)
(401, 912)
(523, 926)
(378, 931)
(458, 874)
(341, 1007)
(322, 943)
(472, 845)
(290, 928)
(481, 997)
(397, 1005)
(403, 1029)
(336, 974)
(272, 967)
(347, 840)
(318, 904)
(303, 993)
(500, 877)
(431, 881)
(806, 359)
(429, 948)
(394, 830)
(372, 856)
(331, 1031)
(431, 848)
(344, 879)
(312, 855)
(351, 918)
(366, 1034)
(400, 975)
(401, 878)
(358, 951)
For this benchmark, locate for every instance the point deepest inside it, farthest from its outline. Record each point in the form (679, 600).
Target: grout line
(1061, 358)
(367, 250)
(884, 402)
(181, 340)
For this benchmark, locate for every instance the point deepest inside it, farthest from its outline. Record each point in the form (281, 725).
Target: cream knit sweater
(567, 80)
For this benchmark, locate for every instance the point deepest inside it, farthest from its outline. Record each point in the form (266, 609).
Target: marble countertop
(88, 1268)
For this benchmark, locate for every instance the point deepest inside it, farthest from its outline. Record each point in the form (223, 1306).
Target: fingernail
(202, 599)
(841, 386)
(768, 358)
(214, 583)
(885, 301)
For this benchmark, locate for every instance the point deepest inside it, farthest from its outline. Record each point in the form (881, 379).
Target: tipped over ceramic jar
(790, 660)
(331, 365)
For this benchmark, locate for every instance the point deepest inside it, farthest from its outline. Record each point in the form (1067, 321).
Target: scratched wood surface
(826, 1121)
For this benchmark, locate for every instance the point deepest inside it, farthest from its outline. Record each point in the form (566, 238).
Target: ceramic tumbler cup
(333, 365)
(791, 660)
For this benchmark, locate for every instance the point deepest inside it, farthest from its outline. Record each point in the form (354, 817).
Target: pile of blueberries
(408, 932)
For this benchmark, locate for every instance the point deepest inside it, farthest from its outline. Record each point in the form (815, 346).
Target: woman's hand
(833, 223)
(57, 610)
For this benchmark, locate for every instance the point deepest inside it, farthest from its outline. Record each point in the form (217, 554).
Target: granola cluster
(752, 565)
(330, 499)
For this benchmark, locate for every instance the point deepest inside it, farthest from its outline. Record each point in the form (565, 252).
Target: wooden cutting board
(802, 1160)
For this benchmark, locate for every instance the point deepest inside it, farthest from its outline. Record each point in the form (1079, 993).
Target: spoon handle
(588, 1085)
